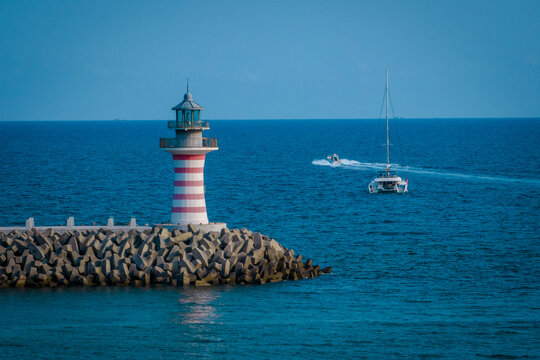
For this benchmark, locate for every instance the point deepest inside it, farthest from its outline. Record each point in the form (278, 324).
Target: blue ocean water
(449, 270)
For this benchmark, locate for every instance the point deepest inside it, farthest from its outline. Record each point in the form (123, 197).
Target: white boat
(388, 181)
(334, 159)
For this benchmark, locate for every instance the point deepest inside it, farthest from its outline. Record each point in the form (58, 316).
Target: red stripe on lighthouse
(187, 209)
(184, 170)
(189, 183)
(188, 157)
(188, 196)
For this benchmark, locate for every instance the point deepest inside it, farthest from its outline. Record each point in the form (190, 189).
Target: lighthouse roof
(188, 104)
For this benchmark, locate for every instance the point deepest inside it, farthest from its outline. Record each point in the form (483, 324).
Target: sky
(102, 60)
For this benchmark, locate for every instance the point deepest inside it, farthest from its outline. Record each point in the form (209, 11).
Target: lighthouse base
(204, 227)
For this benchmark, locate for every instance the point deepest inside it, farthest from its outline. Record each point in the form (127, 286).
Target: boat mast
(387, 130)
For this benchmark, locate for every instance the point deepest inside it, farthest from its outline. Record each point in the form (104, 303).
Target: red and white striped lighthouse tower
(189, 149)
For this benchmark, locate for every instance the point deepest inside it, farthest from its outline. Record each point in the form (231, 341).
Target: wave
(358, 165)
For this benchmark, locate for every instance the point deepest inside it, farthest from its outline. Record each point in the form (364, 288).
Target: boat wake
(363, 166)
(343, 163)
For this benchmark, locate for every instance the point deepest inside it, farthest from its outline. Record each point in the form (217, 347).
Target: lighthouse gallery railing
(190, 143)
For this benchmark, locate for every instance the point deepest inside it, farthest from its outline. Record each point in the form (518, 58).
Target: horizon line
(299, 119)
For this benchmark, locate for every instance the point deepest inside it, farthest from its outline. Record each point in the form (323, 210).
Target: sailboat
(388, 181)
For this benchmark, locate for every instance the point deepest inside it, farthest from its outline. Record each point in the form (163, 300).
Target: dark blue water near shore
(449, 270)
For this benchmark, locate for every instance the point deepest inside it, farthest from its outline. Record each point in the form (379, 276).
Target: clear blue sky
(86, 60)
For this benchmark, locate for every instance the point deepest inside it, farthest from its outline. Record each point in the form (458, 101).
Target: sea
(449, 270)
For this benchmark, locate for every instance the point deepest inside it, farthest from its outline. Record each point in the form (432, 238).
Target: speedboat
(388, 181)
(334, 159)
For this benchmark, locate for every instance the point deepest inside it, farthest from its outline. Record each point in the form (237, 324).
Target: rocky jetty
(141, 258)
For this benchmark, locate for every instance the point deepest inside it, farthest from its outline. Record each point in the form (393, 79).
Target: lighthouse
(188, 149)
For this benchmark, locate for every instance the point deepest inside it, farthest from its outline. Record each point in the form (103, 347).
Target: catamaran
(388, 181)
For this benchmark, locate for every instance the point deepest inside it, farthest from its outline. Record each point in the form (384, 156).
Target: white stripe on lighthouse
(189, 205)
(188, 177)
(189, 163)
(188, 190)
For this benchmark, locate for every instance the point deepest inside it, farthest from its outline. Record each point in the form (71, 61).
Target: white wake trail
(344, 163)
(357, 165)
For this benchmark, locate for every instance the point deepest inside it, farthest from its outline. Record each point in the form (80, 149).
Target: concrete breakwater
(140, 258)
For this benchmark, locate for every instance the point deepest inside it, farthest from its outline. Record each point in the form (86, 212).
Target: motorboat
(388, 181)
(334, 159)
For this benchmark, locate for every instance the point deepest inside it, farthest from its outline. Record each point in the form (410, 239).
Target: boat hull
(400, 187)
